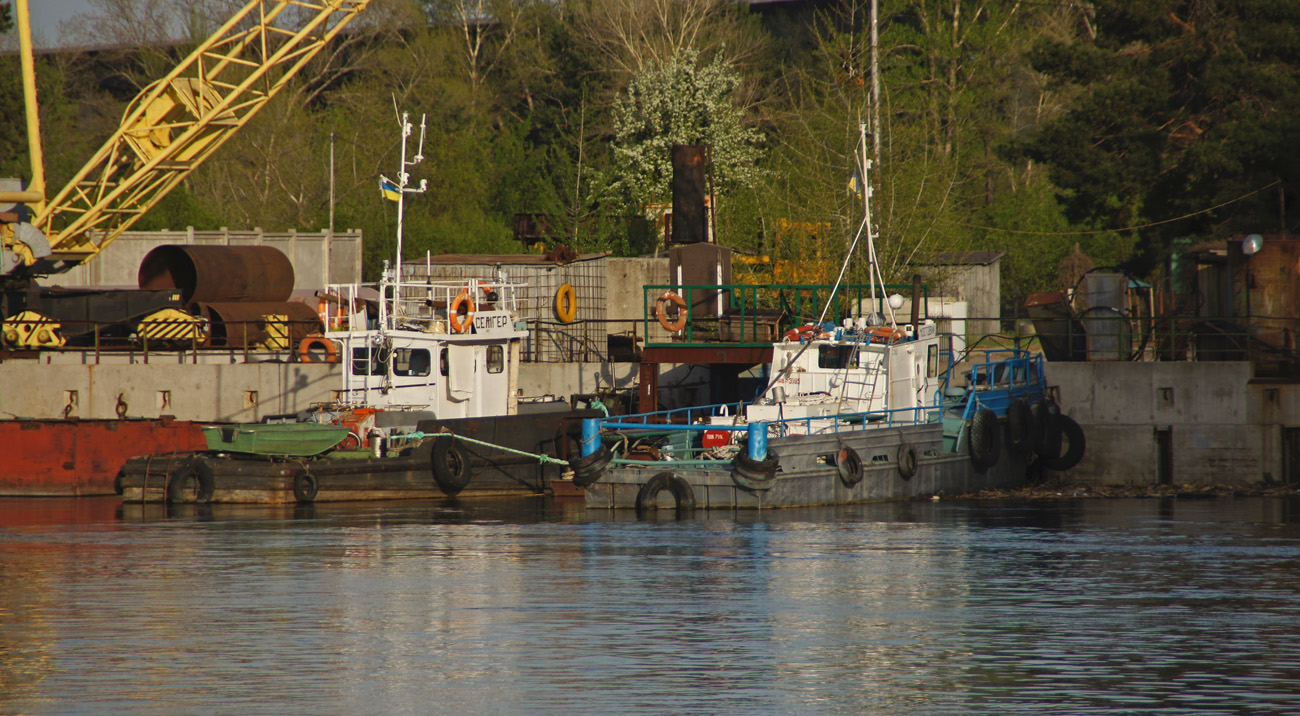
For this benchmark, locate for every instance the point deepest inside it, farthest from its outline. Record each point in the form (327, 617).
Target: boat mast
(404, 178)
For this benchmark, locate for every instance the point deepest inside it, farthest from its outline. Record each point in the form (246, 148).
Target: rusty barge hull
(63, 458)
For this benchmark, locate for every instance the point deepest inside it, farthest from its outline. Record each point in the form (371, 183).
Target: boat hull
(46, 458)
(808, 477)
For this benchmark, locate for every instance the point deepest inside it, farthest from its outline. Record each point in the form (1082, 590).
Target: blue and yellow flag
(855, 184)
(388, 189)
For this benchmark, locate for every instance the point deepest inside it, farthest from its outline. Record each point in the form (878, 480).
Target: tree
(681, 101)
(1183, 109)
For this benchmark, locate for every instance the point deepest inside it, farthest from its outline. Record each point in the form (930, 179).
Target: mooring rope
(540, 457)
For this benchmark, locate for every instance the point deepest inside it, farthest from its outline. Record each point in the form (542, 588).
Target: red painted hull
(83, 457)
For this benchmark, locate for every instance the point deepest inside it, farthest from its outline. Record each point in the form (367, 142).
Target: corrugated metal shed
(551, 341)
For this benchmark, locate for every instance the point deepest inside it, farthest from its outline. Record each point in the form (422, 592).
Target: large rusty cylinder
(269, 324)
(215, 274)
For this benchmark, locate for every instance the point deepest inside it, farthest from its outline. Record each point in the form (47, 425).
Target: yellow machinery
(168, 130)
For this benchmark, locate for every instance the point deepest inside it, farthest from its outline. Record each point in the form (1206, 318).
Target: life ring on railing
(453, 313)
(661, 312)
(885, 334)
(566, 304)
(798, 334)
(318, 349)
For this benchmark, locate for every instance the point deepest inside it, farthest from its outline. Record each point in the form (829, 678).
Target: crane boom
(177, 123)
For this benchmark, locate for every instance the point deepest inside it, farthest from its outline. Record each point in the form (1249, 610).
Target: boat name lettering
(491, 321)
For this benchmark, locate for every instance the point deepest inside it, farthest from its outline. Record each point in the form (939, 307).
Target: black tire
(1048, 417)
(305, 486)
(849, 465)
(752, 475)
(450, 464)
(647, 498)
(587, 470)
(192, 483)
(985, 439)
(1020, 427)
(907, 460)
(1072, 433)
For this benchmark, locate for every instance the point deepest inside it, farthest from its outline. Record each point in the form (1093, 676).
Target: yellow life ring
(311, 347)
(453, 313)
(566, 304)
(661, 311)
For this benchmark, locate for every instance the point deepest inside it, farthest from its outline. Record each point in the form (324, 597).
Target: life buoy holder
(453, 313)
(661, 311)
(318, 349)
(566, 304)
(885, 334)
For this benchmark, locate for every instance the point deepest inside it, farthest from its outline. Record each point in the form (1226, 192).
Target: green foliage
(1019, 127)
(1184, 109)
(681, 101)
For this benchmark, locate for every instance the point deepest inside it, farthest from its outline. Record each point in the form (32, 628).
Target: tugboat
(851, 412)
(428, 403)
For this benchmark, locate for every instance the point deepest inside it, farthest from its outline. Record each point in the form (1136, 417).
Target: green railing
(754, 315)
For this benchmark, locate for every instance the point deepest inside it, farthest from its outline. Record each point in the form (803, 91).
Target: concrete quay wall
(240, 392)
(1180, 423)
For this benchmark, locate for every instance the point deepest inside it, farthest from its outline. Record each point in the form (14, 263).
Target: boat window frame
(496, 359)
(405, 358)
(837, 357)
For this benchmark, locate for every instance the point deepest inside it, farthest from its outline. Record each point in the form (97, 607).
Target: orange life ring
(453, 313)
(311, 346)
(662, 313)
(802, 332)
(885, 334)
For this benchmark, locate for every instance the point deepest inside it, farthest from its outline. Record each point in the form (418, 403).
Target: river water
(537, 606)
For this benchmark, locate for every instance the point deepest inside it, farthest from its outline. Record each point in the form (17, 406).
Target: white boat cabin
(450, 347)
(855, 370)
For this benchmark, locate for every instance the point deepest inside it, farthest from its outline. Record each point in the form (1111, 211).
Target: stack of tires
(1039, 429)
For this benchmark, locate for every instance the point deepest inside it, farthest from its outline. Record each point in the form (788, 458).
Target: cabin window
(496, 361)
(365, 361)
(411, 362)
(932, 360)
(836, 357)
(442, 362)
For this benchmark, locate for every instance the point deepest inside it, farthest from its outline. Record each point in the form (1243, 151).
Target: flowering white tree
(681, 101)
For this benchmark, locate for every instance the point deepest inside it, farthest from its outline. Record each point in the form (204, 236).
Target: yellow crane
(169, 129)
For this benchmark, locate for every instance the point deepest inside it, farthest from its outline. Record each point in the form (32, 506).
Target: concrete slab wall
(243, 392)
(565, 379)
(623, 285)
(1223, 427)
(318, 259)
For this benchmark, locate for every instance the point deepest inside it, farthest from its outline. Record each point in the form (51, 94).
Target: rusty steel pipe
(216, 274)
(245, 325)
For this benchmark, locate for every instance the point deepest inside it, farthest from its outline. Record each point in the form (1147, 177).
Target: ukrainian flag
(388, 189)
(855, 185)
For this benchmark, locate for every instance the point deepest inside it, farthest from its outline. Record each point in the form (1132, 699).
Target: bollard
(590, 436)
(757, 442)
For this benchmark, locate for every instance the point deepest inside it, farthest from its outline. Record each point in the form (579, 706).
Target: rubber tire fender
(849, 466)
(984, 439)
(587, 470)
(305, 486)
(754, 475)
(1048, 416)
(1020, 427)
(450, 462)
(1072, 433)
(683, 493)
(198, 471)
(907, 460)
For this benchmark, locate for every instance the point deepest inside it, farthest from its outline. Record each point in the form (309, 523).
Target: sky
(46, 15)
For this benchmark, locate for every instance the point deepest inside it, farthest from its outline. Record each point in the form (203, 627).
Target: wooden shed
(973, 277)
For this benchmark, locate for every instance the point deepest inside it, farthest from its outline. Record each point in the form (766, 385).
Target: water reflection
(536, 606)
